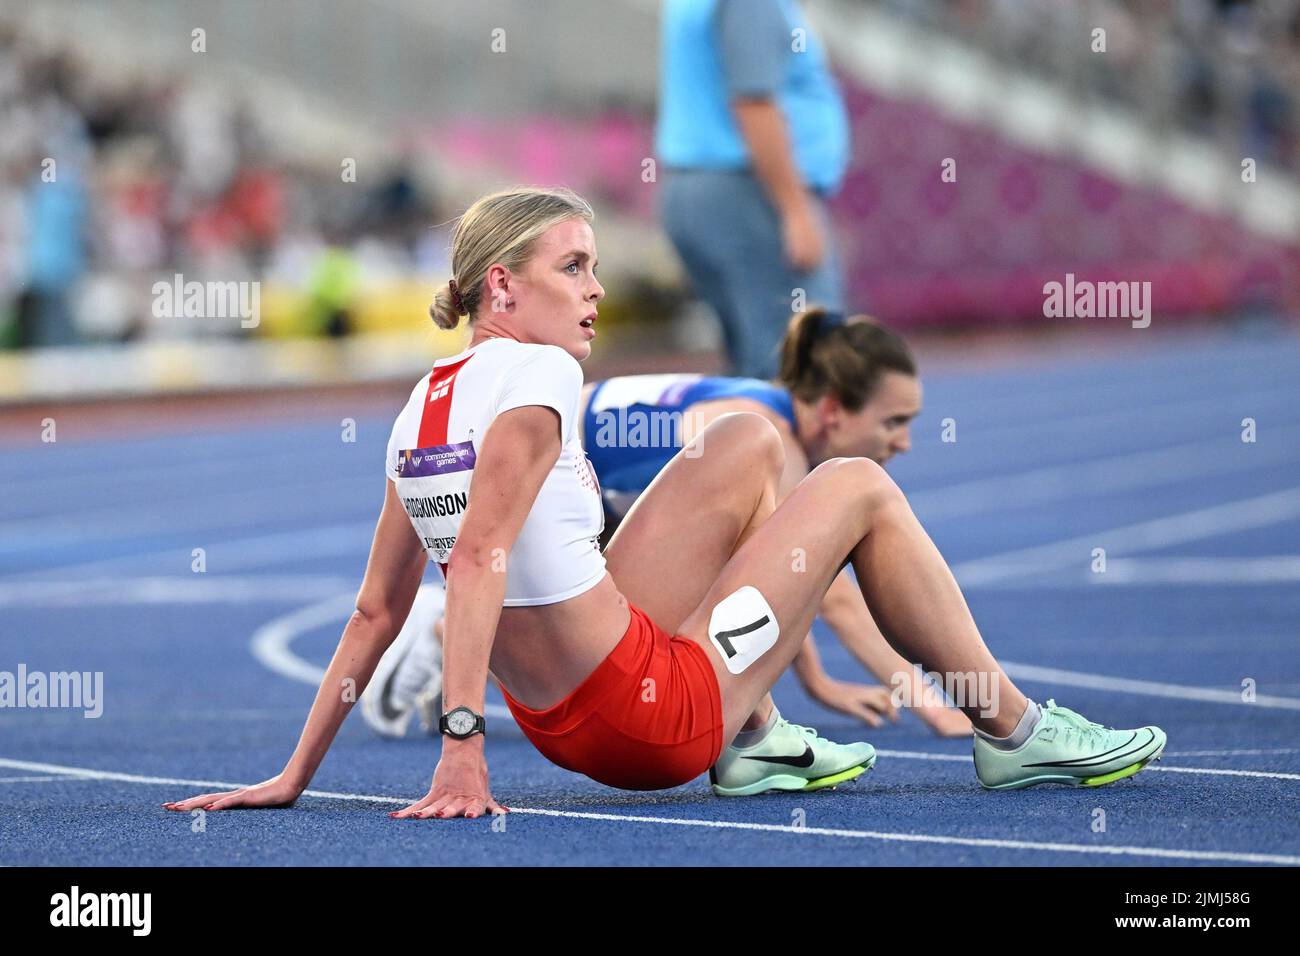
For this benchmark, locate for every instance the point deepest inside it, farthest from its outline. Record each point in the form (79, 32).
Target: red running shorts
(648, 717)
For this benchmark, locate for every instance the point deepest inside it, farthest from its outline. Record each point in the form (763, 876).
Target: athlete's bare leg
(706, 512)
(705, 503)
(849, 508)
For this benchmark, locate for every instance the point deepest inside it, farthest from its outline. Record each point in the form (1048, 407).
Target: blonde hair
(501, 227)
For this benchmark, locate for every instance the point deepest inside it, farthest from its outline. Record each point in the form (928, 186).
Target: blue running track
(208, 676)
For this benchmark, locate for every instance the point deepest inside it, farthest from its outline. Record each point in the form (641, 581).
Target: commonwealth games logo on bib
(437, 460)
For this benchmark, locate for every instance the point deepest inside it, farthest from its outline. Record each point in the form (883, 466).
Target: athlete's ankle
(757, 733)
(1019, 734)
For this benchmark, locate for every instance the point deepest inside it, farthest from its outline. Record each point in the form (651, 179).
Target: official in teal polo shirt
(753, 138)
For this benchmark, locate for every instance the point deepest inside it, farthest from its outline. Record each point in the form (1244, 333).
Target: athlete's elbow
(471, 556)
(370, 622)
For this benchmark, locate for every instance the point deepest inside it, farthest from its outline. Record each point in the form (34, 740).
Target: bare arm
(518, 451)
(847, 614)
(857, 630)
(763, 128)
(393, 575)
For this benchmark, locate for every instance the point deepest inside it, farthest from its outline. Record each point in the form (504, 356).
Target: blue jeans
(728, 236)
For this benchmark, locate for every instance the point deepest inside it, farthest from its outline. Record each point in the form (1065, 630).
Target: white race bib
(433, 484)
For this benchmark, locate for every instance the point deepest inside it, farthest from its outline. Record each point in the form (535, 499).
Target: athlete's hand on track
(460, 786)
(276, 792)
(866, 703)
(801, 237)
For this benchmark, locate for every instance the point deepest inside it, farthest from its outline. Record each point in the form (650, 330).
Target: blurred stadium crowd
(1224, 69)
(165, 175)
(152, 178)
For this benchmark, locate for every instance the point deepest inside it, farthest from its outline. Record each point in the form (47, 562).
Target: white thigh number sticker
(743, 628)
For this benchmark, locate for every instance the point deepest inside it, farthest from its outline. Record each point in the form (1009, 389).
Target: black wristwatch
(461, 724)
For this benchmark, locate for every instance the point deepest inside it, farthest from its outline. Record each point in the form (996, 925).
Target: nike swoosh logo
(804, 759)
(1112, 754)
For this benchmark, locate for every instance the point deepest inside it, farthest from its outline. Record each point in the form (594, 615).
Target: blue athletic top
(632, 424)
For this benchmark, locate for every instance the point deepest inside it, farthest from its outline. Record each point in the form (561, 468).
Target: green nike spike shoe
(791, 757)
(1068, 749)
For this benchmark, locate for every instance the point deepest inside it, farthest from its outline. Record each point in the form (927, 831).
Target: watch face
(460, 722)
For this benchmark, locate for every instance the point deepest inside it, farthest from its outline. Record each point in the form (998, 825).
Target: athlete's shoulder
(742, 384)
(727, 386)
(551, 361)
(731, 393)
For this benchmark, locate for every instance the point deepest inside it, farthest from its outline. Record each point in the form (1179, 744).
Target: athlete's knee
(862, 482)
(768, 446)
(745, 439)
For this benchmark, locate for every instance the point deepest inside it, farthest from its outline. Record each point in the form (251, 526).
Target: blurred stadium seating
(226, 165)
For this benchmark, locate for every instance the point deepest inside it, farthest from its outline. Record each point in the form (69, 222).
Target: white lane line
(29, 779)
(1055, 388)
(1145, 688)
(235, 554)
(1195, 525)
(173, 513)
(1230, 773)
(207, 445)
(1138, 851)
(190, 589)
(272, 643)
(1271, 569)
(1211, 771)
(1256, 752)
(145, 477)
(1154, 572)
(1097, 476)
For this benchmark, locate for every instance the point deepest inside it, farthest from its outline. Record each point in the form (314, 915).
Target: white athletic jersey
(432, 451)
